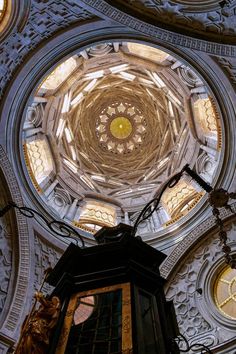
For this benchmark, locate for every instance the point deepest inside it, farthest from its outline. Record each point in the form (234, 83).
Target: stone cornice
(102, 8)
(183, 247)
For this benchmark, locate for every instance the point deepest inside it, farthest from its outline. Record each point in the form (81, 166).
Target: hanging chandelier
(217, 198)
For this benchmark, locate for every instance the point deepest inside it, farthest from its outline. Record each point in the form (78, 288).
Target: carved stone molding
(183, 247)
(104, 9)
(44, 19)
(229, 67)
(6, 253)
(191, 288)
(17, 305)
(203, 19)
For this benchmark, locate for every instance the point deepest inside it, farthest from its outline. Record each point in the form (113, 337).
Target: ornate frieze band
(20, 294)
(158, 33)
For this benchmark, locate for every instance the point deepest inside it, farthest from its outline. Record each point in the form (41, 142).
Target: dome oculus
(121, 128)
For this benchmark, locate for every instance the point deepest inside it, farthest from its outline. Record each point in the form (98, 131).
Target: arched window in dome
(39, 160)
(180, 199)
(96, 214)
(58, 75)
(3, 6)
(5, 9)
(206, 116)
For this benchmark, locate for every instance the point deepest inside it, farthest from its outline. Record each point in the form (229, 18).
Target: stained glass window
(98, 321)
(101, 332)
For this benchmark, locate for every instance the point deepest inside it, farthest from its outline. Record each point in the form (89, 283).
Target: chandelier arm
(188, 347)
(217, 198)
(58, 227)
(197, 179)
(147, 211)
(226, 249)
(5, 209)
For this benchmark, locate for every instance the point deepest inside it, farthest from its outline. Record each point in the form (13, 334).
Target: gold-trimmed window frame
(126, 337)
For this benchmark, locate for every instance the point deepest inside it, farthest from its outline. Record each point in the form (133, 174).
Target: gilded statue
(38, 326)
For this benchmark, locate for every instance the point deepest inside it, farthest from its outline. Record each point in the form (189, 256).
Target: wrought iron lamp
(121, 273)
(218, 198)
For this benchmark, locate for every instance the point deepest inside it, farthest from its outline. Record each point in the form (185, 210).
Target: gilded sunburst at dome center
(121, 128)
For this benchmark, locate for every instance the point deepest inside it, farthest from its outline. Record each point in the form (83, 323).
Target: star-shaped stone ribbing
(124, 127)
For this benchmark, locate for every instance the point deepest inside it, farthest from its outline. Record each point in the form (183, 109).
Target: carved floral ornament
(120, 118)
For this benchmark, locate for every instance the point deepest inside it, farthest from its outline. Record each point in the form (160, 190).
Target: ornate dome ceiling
(111, 124)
